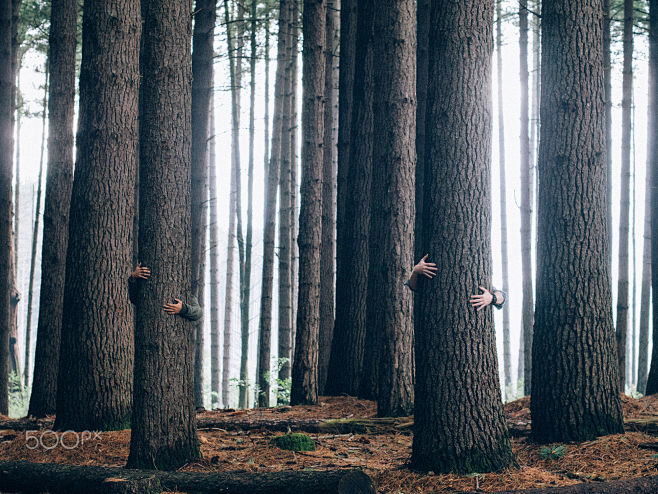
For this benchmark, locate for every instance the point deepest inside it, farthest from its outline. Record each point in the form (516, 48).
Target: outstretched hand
(141, 272)
(428, 269)
(173, 309)
(482, 300)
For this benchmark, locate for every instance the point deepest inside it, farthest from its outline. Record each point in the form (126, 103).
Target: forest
(329, 246)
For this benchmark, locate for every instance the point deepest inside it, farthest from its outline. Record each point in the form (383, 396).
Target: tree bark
(6, 106)
(607, 87)
(422, 56)
(59, 181)
(163, 421)
(94, 389)
(202, 90)
(507, 352)
(392, 204)
(213, 247)
(575, 380)
(35, 236)
(305, 363)
(652, 380)
(329, 166)
(622, 285)
(459, 423)
(525, 365)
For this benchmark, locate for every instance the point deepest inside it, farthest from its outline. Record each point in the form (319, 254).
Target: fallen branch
(640, 485)
(55, 478)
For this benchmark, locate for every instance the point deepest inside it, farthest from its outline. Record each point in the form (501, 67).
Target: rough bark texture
(575, 387)
(346, 362)
(59, 181)
(652, 380)
(389, 311)
(34, 477)
(507, 352)
(625, 184)
(527, 312)
(213, 248)
(163, 421)
(285, 207)
(294, 164)
(459, 422)
(329, 164)
(96, 360)
(305, 363)
(607, 87)
(6, 90)
(202, 90)
(423, 29)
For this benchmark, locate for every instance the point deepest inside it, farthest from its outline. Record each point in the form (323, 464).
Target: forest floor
(384, 456)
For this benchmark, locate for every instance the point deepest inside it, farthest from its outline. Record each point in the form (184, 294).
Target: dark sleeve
(409, 285)
(133, 289)
(500, 305)
(191, 311)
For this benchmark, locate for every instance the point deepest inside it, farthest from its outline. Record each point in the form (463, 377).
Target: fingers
(424, 257)
(178, 301)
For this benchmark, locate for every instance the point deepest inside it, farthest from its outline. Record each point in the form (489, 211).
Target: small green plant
(19, 397)
(552, 452)
(294, 442)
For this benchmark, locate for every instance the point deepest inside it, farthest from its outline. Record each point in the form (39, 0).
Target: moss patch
(294, 442)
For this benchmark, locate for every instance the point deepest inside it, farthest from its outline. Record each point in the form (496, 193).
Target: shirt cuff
(409, 285)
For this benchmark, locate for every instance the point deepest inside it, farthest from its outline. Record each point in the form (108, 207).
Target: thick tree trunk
(305, 363)
(652, 380)
(163, 421)
(329, 164)
(6, 106)
(423, 26)
(285, 206)
(526, 198)
(35, 236)
(625, 181)
(459, 422)
(347, 350)
(507, 352)
(213, 247)
(607, 95)
(202, 90)
(392, 203)
(59, 181)
(575, 381)
(96, 360)
(294, 165)
(34, 477)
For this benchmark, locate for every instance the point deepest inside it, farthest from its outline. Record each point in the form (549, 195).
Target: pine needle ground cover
(383, 456)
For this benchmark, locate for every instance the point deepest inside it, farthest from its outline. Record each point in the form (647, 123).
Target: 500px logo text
(49, 439)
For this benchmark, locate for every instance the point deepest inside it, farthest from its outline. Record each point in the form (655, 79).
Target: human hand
(141, 272)
(428, 269)
(482, 300)
(173, 309)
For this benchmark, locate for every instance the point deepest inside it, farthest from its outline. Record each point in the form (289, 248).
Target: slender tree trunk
(163, 421)
(347, 352)
(17, 99)
(652, 380)
(271, 183)
(526, 193)
(215, 352)
(35, 236)
(294, 165)
(95, 379)
(458, 415)
(6, 106)
(305, 364)
(645, 295)
(285, 205)
(507, 353)
(14, 298)
(622, 286)
(59, 181)
(575, 381)
(393, 211)
(328, 242)
(202, 90)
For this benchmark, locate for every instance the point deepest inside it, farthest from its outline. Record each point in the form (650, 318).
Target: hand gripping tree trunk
(459, 423)
(59, 181)
(305, 364)
(575, 389)
(163, 422)
(96, 360)
(393, 212)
